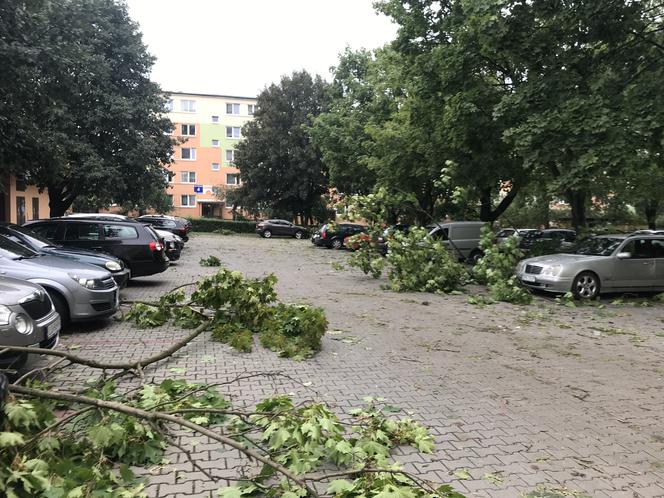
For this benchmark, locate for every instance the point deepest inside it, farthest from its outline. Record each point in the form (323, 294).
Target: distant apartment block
(20, 202)
(203, 164)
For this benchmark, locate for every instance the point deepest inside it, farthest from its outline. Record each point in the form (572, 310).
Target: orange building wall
(31, 192)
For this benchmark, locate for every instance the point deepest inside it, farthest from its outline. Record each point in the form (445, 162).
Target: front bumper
(93, 304)
(121, 277)
(545, 282)
(45, 334)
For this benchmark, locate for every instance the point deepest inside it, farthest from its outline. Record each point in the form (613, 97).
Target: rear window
(81, 231)
(47, 230)
(119, 232)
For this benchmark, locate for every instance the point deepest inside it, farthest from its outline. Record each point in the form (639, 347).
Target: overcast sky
(237, 47)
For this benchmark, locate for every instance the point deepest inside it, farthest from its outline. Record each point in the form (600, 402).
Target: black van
(131, 241)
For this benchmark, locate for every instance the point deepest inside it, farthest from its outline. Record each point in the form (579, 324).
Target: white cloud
(238, 47)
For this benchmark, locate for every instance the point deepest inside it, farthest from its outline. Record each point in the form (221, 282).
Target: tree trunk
(487, 213)
(651, 209)
(58, 200)
(577, 201)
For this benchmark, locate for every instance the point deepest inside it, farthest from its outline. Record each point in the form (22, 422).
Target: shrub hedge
(212, 224)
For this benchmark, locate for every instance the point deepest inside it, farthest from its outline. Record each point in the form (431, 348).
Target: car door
(82, 234)
(658, 247)
(639, 270)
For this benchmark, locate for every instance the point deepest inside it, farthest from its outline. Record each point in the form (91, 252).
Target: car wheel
(475, 257)
(586, 285)
(337, 244)
(299, 235)
(60, 306)
(267, 234)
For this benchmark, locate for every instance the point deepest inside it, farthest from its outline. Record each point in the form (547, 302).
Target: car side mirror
(624, 255)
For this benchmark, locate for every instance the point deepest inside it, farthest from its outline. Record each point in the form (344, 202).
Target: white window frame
(232, 154)
(188, 174)
(216, 143)
(192, 154)
(189, 198)
(216, 166)
(251, 109)
(236, 175)
(232, 135)
(189, 127)
(168, 105)
(233, 107)
(215, 119)
(187, 105)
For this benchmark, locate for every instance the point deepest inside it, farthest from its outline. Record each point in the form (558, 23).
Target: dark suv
(131, 241)
(333, 234)
(269, 228)
(178, 226)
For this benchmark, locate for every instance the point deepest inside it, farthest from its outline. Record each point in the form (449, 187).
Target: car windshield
(33, 239)
(603, 246)
(12, 250)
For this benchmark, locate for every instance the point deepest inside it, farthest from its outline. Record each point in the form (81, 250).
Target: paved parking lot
(537, 395)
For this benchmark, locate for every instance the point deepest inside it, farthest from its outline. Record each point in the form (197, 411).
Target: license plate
(528, 278)
(53, 328)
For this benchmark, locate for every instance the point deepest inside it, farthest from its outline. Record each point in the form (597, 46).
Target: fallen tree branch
(165, 417)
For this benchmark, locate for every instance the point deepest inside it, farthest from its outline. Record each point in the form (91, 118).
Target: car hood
(12, 290)
(53, 266)
(561, 259)
(91, 257)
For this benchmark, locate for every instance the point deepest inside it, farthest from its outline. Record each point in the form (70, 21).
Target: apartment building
(20, 202)
(203, 168)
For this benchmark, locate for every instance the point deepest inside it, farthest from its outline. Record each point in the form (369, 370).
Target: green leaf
(230, 492)
(463, 474)
(8, 439)
(339, 486)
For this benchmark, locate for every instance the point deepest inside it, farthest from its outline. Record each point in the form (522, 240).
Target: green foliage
(496, 268)
(295, 330)
(210, 261)
(422, 264)
(214, 224)
(367, 255)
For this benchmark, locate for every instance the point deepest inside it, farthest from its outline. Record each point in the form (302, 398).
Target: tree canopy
(79, 115)
(281, 170)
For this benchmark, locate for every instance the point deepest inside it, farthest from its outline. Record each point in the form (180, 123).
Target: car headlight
(520, 266)
(22, 324)
(112, 266)
(5, 315)
(88, 283)
(552, 271)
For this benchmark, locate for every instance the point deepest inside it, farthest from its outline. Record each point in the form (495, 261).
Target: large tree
(281, 169)
(79, 115)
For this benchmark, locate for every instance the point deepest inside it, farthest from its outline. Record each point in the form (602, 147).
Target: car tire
(60, 306)
(337, 244)
(267, 234)
(474, 257)
(586, 285)
(299, 234)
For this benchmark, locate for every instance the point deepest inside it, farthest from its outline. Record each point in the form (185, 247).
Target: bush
(210, 261)
(295, 330)
(214, 224)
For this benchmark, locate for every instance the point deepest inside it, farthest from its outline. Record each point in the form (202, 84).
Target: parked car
(606, 263)
(37, 243)
(559, 238)
(462, 238)
(178, 226)
(505, 233)
(333, 234)
(172, 243)
(78, 291)
(27, 318)
(136, 244)
(283, 228)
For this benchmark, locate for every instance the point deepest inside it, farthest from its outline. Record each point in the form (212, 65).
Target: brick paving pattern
(539, 395)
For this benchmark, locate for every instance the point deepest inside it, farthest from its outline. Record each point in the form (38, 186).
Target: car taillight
(323, 234)
(155, 246)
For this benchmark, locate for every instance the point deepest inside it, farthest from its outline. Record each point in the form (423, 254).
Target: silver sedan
(607, 263)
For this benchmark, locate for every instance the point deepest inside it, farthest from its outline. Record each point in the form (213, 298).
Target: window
(188, 201)
(170, 199)
(188, 130)
(81, 231)
(35, 208)
(46, 230)
(20, 210)
(215, 119)
(640, 249)
(168, 105)
(188, 105)
(188, 153)
(188, 177)
(230, 155)
(232, 179)
(21, 184)
(251, 109)
(232, 108)
(215, 143)
(215, 166)
(233, 132)
(119, 232)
